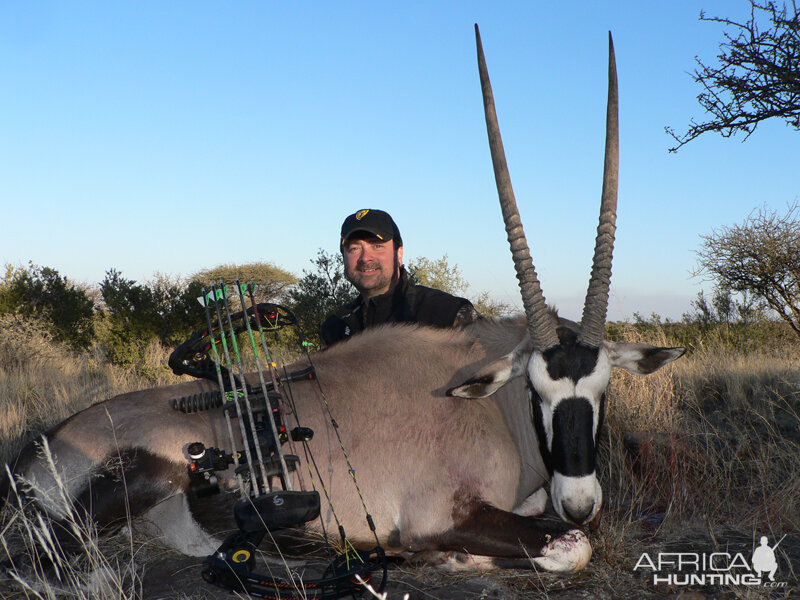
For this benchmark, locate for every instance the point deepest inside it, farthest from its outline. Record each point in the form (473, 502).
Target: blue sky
(174, 136)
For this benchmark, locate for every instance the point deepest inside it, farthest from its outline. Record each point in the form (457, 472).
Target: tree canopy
(273, 282)
(757, 75)
(761, 256)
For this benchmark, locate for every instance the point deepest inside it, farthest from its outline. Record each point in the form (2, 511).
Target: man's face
(369, 264)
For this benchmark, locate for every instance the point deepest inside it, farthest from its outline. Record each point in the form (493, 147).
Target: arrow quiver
(263, 471)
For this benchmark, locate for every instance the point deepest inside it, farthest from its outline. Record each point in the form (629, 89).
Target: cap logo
(361, 214)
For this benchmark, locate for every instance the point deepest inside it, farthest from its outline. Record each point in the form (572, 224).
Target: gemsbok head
(567, 365)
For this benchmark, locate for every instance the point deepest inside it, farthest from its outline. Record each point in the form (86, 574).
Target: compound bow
(265, 506)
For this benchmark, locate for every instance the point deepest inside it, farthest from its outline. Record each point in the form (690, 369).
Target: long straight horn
(540, 320)
(596, 305)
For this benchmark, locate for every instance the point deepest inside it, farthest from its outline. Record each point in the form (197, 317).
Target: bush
(42, 293)
(320, 293)
(736, 336)
(135, 315)
(25, 341)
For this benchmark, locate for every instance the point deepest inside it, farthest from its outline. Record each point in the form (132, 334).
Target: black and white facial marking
(567, 391)
(568, 384)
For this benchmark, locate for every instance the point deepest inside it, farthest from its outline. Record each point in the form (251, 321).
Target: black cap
(378, 223)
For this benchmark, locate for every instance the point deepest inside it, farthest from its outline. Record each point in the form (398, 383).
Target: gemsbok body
(454, 434)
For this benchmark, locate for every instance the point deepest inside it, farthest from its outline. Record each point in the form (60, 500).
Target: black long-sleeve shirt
(405, 302)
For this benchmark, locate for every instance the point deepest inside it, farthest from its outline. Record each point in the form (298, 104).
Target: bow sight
(262, 470)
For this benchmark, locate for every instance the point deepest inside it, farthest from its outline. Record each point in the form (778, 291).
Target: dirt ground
(169, 576)
(162, 574)
(174, 576)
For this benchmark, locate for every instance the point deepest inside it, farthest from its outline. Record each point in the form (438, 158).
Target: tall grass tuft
(94, 569)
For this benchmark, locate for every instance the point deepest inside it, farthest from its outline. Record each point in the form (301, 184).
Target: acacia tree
(758, 75)
(272, 281)
(760, 257)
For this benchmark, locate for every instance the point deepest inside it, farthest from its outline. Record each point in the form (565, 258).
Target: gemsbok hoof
(568, 553)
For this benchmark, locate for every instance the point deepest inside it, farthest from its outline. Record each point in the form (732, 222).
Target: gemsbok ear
(496, 374)
(641, 359)
(488, 380)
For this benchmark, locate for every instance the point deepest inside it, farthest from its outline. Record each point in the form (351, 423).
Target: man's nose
(365, 255)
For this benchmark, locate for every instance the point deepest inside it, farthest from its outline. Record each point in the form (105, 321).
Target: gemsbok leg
(483, 530)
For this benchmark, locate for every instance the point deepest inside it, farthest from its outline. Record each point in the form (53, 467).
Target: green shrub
(42, 293)
(135, 315)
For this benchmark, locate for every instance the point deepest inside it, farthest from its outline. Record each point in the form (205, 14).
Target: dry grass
(701, 456)
(718, 433)
(100, 568)
(42, 384)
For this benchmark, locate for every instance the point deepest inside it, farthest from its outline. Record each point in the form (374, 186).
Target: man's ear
(400, 256)
(641, 359)
(496, 374)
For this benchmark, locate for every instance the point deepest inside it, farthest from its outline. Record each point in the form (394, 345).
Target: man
(373, 262)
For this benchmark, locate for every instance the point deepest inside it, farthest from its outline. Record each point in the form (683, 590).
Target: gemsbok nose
(577, 514)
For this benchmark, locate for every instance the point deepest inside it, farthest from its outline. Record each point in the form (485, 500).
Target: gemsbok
(454, 433)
